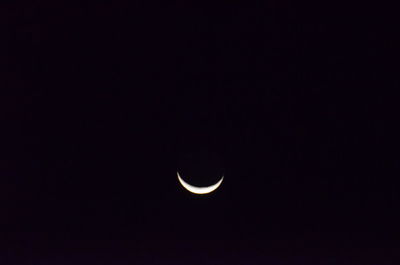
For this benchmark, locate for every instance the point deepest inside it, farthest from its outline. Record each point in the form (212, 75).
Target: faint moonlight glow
(199, 190)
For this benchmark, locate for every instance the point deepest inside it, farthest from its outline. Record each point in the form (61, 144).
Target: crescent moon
(199, 190)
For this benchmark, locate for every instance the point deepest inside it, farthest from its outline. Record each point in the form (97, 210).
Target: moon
(199, 190)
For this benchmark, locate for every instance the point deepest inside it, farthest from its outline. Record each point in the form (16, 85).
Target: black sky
(104, 102)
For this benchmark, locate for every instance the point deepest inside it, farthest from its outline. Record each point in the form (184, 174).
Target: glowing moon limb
(199, 190)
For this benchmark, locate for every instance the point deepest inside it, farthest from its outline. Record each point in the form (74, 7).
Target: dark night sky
(103, 103)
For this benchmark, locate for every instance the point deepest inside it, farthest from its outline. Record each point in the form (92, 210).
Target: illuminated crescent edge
(199, 190)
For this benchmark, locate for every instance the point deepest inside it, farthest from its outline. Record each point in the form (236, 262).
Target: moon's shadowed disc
(200, 168)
